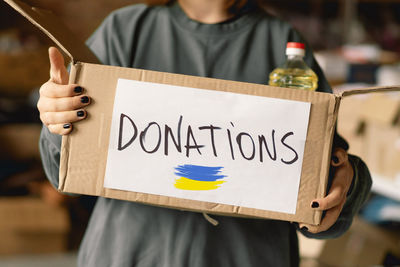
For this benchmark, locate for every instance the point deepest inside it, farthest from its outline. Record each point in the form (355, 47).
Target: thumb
(58, 72)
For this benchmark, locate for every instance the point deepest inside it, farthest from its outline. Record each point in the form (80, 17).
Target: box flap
(379, 89)
(47, 22)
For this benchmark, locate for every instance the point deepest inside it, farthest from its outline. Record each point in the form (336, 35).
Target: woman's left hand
(333, 203)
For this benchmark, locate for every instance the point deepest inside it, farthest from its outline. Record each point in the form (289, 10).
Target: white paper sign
(207, 145)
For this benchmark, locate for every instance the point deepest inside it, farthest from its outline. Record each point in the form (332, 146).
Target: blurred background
(357, 43)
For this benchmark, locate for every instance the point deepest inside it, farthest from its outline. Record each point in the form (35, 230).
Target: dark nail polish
(304, 228)
(315, 205)
(66, 126)
(335, 159)
(80, 113)
(78, 89)
(84, 99)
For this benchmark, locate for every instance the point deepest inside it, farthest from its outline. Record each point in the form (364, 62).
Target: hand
(333, 203)
(60, 104)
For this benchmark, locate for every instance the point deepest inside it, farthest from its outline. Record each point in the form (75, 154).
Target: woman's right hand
(60, 104)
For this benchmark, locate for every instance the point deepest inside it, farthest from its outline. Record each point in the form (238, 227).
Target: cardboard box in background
(30, 225)
(84, 158)
(381, 109)
(362, 245)
(370, 123)
(20, 141)
(29, 64)
(382, 144)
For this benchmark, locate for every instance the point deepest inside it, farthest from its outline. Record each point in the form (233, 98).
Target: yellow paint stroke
(188, 184)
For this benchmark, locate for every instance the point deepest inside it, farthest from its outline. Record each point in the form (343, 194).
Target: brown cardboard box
(380, 109)
(84, 152)
(369, 124)
(363, 245)
(383, 149)
(22, 64)
(20, 141)
(29, 225)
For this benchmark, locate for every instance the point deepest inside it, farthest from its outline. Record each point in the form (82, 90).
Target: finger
(58, 72)
(340, 185)
(61, 129)
(334, 198)
(48, 104)
(330, 218)
(305, 226)
(62, 117)
(52, 89)
(339, 157)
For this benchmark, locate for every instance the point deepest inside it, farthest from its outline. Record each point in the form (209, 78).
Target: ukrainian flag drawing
(194, 177)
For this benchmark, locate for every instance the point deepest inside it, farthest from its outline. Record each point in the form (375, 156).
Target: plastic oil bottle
(294, 73)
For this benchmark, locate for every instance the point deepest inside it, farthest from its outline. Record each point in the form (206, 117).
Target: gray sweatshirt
(246, 48)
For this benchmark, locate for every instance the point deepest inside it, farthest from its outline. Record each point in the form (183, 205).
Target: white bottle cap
(295, 49)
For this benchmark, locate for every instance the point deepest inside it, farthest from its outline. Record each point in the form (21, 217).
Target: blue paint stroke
(199, 173)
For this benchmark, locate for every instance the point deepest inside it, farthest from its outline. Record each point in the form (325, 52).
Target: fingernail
(335, 159)
(78, 89)
(84, 99)
(80, 113)
(315, 205)
(304, 228)
(66, 126)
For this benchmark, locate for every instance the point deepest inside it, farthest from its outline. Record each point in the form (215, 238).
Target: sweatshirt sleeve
(49, 146)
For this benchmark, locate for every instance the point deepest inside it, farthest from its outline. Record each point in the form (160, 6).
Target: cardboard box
(29, 225)
(19, 141)
(363, 245)
(381, 109)
(383, 150)
(84, 152)
(370, 124)
(27, 64)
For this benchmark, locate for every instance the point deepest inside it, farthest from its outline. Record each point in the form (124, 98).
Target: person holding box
(225, 39)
